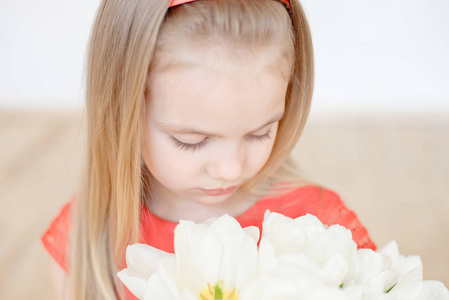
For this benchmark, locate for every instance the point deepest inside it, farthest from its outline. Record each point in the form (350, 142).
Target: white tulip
(328, 253)
(215, 256)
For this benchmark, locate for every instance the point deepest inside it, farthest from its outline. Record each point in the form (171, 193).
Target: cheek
(261, 152)
(165, 162)
(258, 156)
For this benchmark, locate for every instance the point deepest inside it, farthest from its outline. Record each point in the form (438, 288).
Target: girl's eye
(260, 138)
(186, 146)
(197, 146)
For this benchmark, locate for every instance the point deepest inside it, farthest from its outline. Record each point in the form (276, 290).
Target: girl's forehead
(240, 93)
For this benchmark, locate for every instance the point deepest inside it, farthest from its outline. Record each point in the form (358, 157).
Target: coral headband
(179, 2)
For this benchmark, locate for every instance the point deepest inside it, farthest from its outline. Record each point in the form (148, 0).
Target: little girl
(193, 108)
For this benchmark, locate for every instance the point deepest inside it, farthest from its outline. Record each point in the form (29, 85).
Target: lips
(219, 192)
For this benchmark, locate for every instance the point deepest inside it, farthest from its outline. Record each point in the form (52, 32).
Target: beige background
(391, 169)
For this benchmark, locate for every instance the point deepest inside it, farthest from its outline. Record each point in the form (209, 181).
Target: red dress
(159, 233)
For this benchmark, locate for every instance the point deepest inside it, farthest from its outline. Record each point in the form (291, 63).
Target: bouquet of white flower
(296, 259)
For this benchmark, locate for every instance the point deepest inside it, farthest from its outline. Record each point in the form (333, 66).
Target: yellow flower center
(217, 293)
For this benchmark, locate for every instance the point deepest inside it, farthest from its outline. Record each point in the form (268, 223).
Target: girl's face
(209, 127)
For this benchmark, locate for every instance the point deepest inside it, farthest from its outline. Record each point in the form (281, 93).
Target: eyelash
(185, 146)
(260, 138)
(197, 146)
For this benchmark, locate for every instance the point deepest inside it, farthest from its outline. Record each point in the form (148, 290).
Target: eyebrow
(187, 130)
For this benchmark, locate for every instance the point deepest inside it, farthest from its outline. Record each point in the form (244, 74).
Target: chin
(212, 200)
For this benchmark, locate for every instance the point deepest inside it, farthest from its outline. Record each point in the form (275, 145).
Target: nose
(227, 165)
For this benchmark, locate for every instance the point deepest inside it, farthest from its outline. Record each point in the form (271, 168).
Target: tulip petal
(143, 260)
(253, 232)
(164, 284)
(433, 290)
(135, 284)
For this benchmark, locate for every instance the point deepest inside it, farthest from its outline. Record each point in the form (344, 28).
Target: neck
(175, 208)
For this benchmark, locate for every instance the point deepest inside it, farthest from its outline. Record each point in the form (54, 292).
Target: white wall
(378, 55)
(42, 52)
(381, 55)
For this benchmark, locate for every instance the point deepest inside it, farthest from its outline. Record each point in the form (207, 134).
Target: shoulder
(322, 203)
(56, 238)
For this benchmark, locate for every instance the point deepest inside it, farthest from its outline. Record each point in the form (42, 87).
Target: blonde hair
(123, 43)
